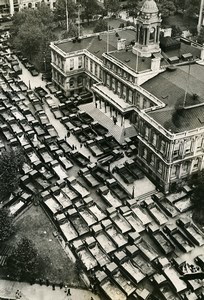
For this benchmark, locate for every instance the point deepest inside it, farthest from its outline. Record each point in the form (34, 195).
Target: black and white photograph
(102, 149)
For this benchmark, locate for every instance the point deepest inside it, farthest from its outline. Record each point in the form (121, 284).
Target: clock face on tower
(152, 29)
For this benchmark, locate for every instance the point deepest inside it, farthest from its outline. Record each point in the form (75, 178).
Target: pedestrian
(73, 147)
(65, 288)
(68, 134)
(80, 145)
(92, 298)
(53, 287)
(68, 292)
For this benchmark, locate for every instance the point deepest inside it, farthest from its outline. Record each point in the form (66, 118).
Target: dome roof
(149, 7)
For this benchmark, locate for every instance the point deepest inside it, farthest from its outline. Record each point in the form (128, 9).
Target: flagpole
(67, 16)
(107, 39)
(137, 63)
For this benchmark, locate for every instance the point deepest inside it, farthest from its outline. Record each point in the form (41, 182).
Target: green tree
(133, 7)
(192, 8)
(101, 25)
(6, 224)
(112, 6)
(23, 263)
(89, 8)
(193, 30)
(197, 197)
(10, 163)
(72, 31)
(31, 33)
(166, 8)
(176, 31)
(60, 9)
(180, 4)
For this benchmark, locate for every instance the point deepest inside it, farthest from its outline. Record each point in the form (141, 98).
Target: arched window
(71, 83)
(80, 81)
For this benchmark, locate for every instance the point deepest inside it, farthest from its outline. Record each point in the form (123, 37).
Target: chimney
(121, 44)
(155, 64)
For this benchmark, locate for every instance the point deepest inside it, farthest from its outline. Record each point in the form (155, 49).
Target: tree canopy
(166, 8)
(89, 8)
(192, 8)
(112, 6)
(197, 196)
(60, 9)
(101, 25)
(133, 7)
(23, 262)
(6, 224)
(201, 36)
(31, 33)
(10, 163)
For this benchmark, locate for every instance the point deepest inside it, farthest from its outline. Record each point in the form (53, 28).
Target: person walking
(68, 292)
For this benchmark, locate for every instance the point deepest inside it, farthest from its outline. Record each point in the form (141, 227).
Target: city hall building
(131, 79)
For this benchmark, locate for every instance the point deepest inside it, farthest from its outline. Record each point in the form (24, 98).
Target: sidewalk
(37, 292)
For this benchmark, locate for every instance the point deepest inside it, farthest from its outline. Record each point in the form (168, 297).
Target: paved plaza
(36, 292)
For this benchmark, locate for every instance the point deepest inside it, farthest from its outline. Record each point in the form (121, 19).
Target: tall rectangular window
(71, 64)
(107, 79)
(113, 84)
(160, 167)
(86, 63)
(130, 96)
(176, 150)
(91, 66)
(146, 132)
(154, 139)
(187, 147)
(199, 143)
(79, 62)
(163, 147)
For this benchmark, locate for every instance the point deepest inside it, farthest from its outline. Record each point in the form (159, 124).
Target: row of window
(184, 169)
(79, 63)
(154, 139)
(36, 4)
(58, 77)
(188, 147)
(73, 63)
(93, 68)
(152, 160)
(119, 88)
(76, 82)
(119, 71)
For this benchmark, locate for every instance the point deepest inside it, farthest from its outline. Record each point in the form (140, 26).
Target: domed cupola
(149, 7)
(148, 25)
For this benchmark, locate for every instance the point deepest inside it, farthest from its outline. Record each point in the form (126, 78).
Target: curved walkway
(37, 292)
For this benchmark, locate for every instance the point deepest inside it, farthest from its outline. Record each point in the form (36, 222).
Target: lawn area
(55, 264)
(180, 21)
